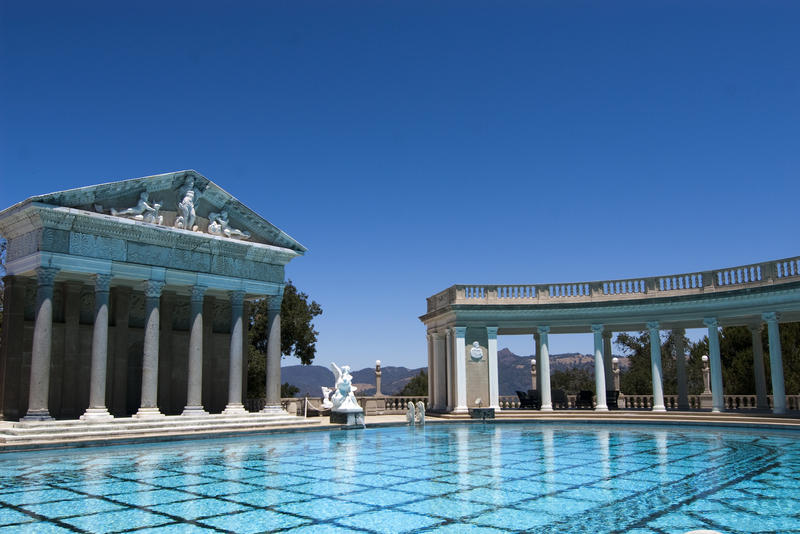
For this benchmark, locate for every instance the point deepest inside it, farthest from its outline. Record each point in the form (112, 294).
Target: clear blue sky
(414, 145)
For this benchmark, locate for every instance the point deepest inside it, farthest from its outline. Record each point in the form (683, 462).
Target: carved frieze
(24, 245)
(176, 258)
(240, 268)
(94, 246)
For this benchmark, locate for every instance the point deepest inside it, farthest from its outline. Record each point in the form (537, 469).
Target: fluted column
(235, 405)
(97, 385)
(461, 369)
(607, 356)
(717, 398)
(537, 348)
(450, 369)
(775, 363)
(148, 406)
(599, 369)
(273, 404)
(42, 347)
(680, 365)
(655, 363)
(432, 338)
(194, 390)
(544, 366)
(758, 367)
(494, 381)
(435, 391)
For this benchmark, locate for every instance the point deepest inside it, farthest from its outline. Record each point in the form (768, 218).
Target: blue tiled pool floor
(444, 478)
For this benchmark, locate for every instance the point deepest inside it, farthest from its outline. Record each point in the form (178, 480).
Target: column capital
(46, 275)
(711, 322)
(543, 329)
(491, 331)
(237, 297)
(597, 328)
(607, 334)
(653, 326)
(274, 302)
(102, 283)
(152, 288)
(771, 317)
(198, 293)
(461, 331)
(755, 328)
(436, 335)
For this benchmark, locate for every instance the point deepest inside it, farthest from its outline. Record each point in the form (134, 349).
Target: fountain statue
(344, 406)
(410, 415)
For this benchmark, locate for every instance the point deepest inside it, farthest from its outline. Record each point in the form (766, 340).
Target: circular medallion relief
(475, 352)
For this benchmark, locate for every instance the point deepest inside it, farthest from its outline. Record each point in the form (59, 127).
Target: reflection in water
(548, 449)
(661, 450)
(605, 456)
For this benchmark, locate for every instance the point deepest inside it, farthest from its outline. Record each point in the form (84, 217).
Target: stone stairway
(129, 428)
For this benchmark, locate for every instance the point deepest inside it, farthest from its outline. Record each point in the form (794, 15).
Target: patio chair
(612, 399)
(584, 399)
(535, 399)
(528, 401)
(560, 399)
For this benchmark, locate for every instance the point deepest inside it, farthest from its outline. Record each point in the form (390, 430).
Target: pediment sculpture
(142, 211)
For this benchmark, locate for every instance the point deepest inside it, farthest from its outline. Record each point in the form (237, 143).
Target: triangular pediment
(185, 200)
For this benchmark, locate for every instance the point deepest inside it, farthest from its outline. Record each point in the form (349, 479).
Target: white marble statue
(343, 398)
(142, 211)
(326, 398)
(218, 225)
(410, 414)
(187, 215)
(420, 418)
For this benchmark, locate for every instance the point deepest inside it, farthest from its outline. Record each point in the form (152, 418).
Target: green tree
(572, 380)
(298, 336)
(288, 391)
(417, 386)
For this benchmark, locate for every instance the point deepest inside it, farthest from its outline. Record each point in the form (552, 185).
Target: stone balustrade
(732, 278)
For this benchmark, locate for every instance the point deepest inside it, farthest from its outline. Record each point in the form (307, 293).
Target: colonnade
(38, 406)
(447, 360)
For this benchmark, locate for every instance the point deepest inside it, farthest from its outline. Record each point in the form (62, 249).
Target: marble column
(494, 381)
(680, 366)
(273, 404)
(440, 365)
(461, 369)
(775, 363)
(235, 405)
(194, 382)
(97, 386)
(758, 367)
(435, 380)
(148, 406)
(715, 360)
(607, 357)
(655, 363)
(599, 369)
(451, 376)
(544, 369)
(537, 349)
(432, 338)
(42, 347)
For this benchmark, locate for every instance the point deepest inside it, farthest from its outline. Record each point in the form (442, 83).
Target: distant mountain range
(515, 374)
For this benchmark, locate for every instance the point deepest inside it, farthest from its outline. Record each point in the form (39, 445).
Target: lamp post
(378, 378)
(706, 382)
(533, 373)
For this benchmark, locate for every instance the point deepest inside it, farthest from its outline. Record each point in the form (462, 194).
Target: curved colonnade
(747, 295)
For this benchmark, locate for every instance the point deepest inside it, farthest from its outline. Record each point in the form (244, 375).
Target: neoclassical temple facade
(463, 323)
(129, 299)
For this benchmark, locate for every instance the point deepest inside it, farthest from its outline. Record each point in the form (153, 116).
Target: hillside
(515, 374)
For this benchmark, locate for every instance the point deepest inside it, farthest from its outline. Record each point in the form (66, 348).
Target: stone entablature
(113, 274)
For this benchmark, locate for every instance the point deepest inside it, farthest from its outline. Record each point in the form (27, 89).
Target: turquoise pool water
(442, 478)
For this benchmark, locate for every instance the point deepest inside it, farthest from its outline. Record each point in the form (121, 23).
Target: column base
(37, 415)
(546, 408)
(194, 410)
(601, 408)
(96, 414)
(234, 408)
(145, 413)
(461, 409)
(274, 409)
(659, 408)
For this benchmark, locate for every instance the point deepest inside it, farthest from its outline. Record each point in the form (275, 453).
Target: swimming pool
(440, 478)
